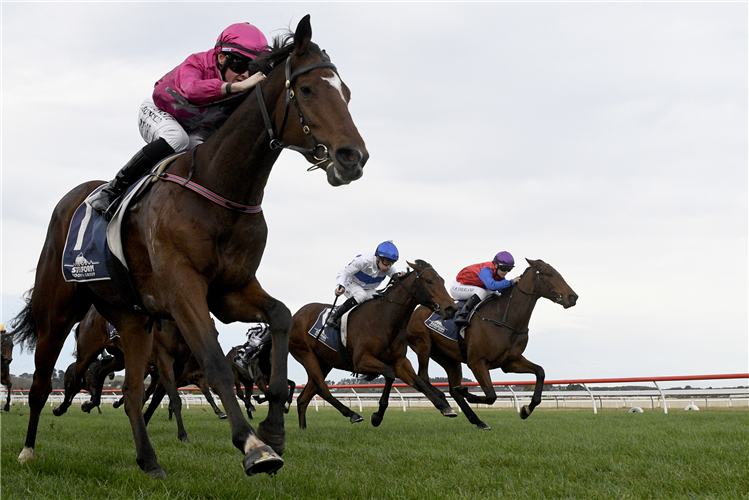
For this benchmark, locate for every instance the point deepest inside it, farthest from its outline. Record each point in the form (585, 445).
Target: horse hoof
(356, 418)
(57, 411)
(275, 441)
(483, 427)
(524, 412)
(376, 420)
(26, 455)
(262, 459)
(157, 473)
(449, 412)
(87, 407)
(221, 416)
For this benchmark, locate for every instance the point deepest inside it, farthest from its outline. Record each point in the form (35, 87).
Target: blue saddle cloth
(445, 327)
(328, 336)
(86, 249)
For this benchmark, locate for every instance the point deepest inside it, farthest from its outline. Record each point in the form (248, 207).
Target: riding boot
(334, 320)
(143, 161)
(461, 319)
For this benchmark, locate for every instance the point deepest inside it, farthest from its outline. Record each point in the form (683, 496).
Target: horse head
(429, 289)
(547, 282)
(326, 134)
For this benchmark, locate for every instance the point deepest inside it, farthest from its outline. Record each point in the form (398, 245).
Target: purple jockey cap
(504, 258)
(243, 39)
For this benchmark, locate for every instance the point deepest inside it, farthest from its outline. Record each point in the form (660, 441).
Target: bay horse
(495, 338)
(6, 349)
(375, 341)
(261, 367)
(170, 353)
(190, 374)
(92, 339)
(190, 254)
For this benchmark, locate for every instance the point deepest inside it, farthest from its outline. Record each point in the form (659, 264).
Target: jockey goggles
(386, 262)
(505, 269)
(238, 65)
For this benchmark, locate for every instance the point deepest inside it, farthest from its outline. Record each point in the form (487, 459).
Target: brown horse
(261, 367)
(190, 255)
(92, 339)
(190, 374)
(375, 341)
(495, 338)
(6, 349)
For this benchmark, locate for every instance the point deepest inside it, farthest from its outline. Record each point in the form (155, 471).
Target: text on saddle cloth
(329, 336)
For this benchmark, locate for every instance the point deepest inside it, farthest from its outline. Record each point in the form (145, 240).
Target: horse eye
(429, 282)
(305, 90)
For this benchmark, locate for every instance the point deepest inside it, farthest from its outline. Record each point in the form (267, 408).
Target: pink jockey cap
(242, 38)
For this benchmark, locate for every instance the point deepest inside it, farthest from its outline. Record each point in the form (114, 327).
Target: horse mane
(280, 49)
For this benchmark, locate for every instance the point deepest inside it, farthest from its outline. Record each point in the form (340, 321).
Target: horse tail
(25, 333)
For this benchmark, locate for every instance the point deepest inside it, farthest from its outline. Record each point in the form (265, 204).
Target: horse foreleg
(377, 417)
(522, 365)
(203, 384)
(138, 346)
(8, 385)
(271, 430)
(404, 371)
(302, 402)
(481, 370)
(454, 370)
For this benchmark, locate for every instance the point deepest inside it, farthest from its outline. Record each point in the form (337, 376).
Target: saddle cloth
(91, 240)
(446, 328)
(329, 336)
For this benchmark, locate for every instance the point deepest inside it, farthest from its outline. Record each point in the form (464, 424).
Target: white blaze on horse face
(337, 84)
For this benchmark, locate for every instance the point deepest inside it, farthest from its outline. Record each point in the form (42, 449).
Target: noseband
(276, 142)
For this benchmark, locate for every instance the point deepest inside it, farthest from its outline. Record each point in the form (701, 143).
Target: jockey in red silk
(175, 118)
(476, 281)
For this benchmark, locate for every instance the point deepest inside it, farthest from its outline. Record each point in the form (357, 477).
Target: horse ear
(531, 262)
(302, 36)
(412, 266)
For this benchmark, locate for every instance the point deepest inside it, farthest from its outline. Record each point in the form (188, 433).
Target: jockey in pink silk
(179, 114)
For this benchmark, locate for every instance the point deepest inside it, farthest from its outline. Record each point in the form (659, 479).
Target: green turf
(413, 455)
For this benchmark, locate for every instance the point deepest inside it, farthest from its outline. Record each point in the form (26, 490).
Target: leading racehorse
(495, 338)
(190, 255)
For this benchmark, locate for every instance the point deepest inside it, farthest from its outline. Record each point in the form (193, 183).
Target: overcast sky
(608, 139)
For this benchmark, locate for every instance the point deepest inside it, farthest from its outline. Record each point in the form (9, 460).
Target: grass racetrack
(416, 454)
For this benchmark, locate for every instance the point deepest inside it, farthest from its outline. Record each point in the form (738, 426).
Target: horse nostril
(349, 157)
(573, 299)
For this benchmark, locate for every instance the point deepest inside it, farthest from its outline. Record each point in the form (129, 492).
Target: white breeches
(359, 293)
(459, 291)
(155, 123)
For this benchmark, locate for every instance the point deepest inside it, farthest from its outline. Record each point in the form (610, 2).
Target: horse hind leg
(48, 327)
(8, 385)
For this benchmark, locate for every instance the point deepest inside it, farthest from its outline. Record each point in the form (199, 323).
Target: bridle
(557, 297)
(539, 278)
(276, 141)
(420, 295)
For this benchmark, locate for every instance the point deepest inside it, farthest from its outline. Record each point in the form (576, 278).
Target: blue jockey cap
(387, 249)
